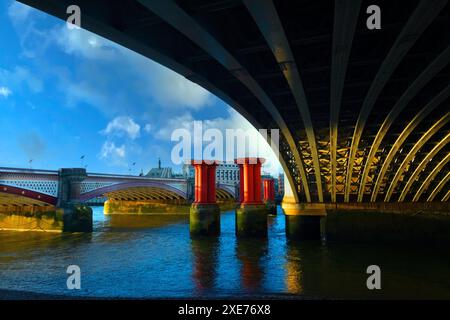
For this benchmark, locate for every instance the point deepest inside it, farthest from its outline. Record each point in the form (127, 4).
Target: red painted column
(266, 189)
(196, 186)
(204, 185)
(250, 180)
(257, 183)
(211, 184)
(241, 183)
(205, 181)
(248, 183)
(269, 192)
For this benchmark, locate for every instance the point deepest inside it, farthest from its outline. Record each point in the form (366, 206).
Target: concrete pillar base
(146, 207)
(304, 221)
(251, 220)
(271, 208)
(71, 218)
(301, 227)
(77, 218)
(204, 219)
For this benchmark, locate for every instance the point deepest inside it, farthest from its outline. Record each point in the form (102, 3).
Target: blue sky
(66, 92)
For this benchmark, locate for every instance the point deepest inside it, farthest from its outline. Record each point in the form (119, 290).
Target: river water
(154, 257)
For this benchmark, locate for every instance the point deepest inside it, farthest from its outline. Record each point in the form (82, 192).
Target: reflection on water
(144, 221)
(294, 274)
(251, 253)
(153, 256)
(205, 258)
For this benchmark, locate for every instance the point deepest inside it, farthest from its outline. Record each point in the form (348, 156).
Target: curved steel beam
(90, 23)
(170, 12)
(431, 176)
(226, 187)
(162, 194)
(224, 194)
(422, 165)
(439, 187)
(31, 194)
(441, 97)
(421, 18)
(433, 68)
(345, 19)
(7, 199)
(412, 153)
(219, 194)
(446, 197)
(129, 185)
(146, 193)
(268, 21)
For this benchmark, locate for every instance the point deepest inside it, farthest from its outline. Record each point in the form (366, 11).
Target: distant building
(188, 171)
(225, 173)
(160, 172)
(279, 185)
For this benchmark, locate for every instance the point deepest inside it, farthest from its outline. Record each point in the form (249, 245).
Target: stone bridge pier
(304, 221)
(76, 216)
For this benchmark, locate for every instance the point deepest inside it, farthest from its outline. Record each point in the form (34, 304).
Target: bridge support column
(269, 196)
(204, 218)
(251, 214)
(304, 221)
(76, 217)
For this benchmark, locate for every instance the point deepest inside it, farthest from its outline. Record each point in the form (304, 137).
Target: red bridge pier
(204, 218)
(269, 196)
(251, 214)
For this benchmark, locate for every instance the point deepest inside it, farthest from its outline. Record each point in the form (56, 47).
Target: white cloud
(85, 44)
(257, 147)
(113, 154)
(185, 121)
(171, 90)
(123, 126)
(24, 75)
(5, 92)
(149, 80)
(18, 12)
(21, 76)
(166, 87)
(148, 127)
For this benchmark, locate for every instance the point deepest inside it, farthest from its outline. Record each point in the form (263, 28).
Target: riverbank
(26, 295)
(11, 295)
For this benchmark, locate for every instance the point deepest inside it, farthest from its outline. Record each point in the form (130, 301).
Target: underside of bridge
(26, 210)
(143, 194)
(155, 200)
(363, 114)
(152, 194)
(14, 203)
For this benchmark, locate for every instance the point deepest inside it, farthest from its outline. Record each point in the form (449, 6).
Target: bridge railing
(89, 174)
(23, 170)
(126, 176)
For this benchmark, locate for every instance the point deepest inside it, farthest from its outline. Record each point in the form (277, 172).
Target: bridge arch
(151, 190)
(225, 192)
(279, 75)
(25, 196)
